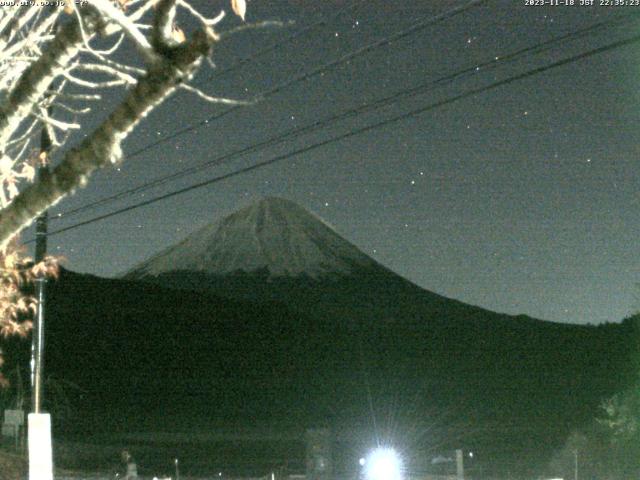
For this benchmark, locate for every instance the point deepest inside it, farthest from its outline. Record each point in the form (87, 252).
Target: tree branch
(129, 28)
(102, 147)
(36, 79)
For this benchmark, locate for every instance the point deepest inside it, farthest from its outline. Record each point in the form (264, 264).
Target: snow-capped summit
(273, 235)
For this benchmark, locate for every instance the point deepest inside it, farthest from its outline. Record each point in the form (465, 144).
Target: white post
(40, 453)
(459, 465)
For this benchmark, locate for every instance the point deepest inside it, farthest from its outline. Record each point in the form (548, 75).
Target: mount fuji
(274, 236)
(276, 250)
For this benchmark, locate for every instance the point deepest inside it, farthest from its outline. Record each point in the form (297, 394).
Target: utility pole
(37, 340)
(575, 464)
(40, 451)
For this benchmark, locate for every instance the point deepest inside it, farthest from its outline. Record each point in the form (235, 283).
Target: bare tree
(55, 62)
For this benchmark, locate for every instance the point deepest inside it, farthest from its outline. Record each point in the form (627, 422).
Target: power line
(352, 133)
(496, 61)
(415, 28)
(237, 65)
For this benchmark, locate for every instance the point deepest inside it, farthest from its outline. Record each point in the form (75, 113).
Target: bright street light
(383, 464)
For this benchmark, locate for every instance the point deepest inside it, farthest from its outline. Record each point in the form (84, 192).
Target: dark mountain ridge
(151, 358)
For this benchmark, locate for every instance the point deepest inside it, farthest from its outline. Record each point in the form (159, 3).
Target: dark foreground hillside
(134, 357)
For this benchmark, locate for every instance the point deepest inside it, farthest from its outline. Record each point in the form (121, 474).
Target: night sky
(520, 199)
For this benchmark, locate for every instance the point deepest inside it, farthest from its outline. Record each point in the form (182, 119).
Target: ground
(12, 467)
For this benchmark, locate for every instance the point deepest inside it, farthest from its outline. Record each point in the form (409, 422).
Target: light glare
(383, 464)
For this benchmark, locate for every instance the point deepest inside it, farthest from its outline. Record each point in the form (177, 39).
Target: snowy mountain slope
(274, 234)
(275, 250)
